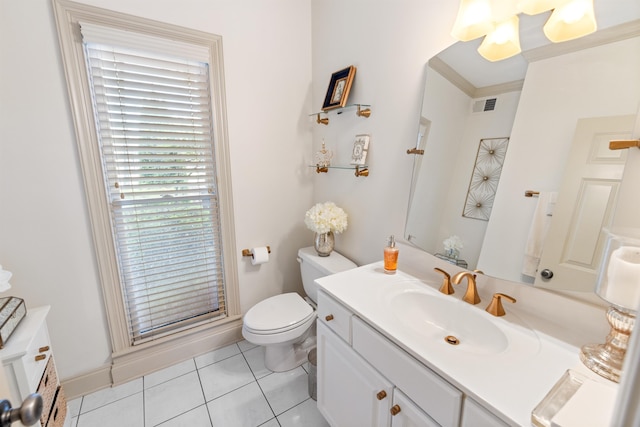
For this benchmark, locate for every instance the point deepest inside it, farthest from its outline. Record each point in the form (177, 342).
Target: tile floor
(224, 388)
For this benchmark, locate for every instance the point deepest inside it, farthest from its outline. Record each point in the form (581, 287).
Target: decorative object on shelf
(498, 22)
(323, 157)
(485, 177)
(618, 283)
(325, 219)
(339, 88)
(12, 312)
(360, 149)
(452, 246)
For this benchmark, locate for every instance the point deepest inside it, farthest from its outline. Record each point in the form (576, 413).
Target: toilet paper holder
(247, 252)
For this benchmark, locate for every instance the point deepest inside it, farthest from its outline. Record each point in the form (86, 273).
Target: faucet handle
(446, 287)
(495, 306)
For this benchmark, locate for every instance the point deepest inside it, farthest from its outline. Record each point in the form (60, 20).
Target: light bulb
(570, 20)
(503, 42)
(473, 20)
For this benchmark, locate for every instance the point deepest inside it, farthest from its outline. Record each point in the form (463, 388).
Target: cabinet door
(350, 392)
(407, 414)
(474, 415)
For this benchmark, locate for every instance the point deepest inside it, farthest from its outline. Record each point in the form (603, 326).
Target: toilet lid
(278, 314)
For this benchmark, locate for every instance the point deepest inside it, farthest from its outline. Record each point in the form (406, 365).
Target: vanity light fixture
(503, 42)
(497, 21)
(571, 19)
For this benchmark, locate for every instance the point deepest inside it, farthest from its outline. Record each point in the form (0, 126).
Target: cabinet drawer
(47, 389)
(37, 356)
(439, 399)
(59, 411)
(335, 316)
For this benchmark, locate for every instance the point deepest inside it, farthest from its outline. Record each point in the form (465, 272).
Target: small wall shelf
(362, 110)
(358, 170)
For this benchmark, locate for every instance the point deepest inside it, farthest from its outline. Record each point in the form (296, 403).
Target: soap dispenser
(391, 256)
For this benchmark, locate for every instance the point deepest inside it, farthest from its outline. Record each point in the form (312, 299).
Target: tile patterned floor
(224, 388)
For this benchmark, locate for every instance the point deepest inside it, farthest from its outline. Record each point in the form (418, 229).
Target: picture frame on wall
(339, 88)
(360, 150)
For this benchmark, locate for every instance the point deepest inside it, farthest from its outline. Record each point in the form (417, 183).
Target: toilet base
(281, 358)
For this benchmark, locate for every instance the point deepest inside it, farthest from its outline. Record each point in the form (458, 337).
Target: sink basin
(449, 322)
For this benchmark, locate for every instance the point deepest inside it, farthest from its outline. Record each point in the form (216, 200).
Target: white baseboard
(137, 363)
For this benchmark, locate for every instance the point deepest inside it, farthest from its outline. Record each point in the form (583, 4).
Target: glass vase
(324, 243)
(452, 253)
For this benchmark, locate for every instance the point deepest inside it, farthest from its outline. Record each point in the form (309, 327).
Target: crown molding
(608, 35)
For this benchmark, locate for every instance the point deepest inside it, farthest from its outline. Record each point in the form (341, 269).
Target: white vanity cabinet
(363, 379)
(29, 368)
(350, 391)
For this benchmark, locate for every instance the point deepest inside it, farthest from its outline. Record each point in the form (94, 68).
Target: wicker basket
(48, 388)
(59, 410)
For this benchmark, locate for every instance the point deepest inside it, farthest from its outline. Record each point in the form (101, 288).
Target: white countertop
(510, 382)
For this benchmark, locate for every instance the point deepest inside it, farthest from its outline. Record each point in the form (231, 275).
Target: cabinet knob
(41, 357)
(395, 410)
(43, 349)
(328, 317)
(381, 395)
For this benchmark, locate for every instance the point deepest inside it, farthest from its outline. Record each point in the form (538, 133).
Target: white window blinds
(154, 123)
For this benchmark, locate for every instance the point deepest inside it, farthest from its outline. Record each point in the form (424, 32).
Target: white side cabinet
(29, 367)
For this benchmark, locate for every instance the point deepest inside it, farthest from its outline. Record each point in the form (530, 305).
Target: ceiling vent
(484, 105)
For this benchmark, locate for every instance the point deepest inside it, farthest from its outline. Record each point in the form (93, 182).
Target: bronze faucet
(446, 287)
(495, 306)
(471, 296)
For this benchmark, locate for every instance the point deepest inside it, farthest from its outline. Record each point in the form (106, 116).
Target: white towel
(538, 232)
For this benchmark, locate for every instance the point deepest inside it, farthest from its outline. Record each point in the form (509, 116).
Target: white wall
(601, 81)
(272, 83)
(447, 108)
(389, 42)
(45, 237)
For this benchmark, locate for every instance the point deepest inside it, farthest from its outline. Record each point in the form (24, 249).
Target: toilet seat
(277, 314)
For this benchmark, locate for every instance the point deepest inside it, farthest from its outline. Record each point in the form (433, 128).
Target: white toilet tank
(313, 266)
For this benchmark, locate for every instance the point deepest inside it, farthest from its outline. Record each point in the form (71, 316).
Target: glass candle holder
(618, 283)
(323, 157)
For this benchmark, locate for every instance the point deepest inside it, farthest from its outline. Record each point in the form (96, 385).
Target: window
(148, 103)
(153, 121)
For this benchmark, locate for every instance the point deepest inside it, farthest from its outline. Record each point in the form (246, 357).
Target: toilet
(285, 324)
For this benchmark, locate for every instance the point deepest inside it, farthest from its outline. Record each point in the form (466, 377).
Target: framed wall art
(485, 178)
(360, 149)
(339, 88)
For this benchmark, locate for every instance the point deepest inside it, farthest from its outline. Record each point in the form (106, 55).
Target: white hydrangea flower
(325, 217)
(453, 243)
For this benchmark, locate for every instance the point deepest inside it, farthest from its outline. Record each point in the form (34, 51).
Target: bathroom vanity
(388, 356)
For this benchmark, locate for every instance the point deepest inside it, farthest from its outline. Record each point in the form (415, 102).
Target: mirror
(536, 109)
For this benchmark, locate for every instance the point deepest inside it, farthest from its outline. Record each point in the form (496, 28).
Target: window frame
(68, 15)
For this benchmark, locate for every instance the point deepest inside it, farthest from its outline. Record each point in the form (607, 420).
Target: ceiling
(464, 58)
